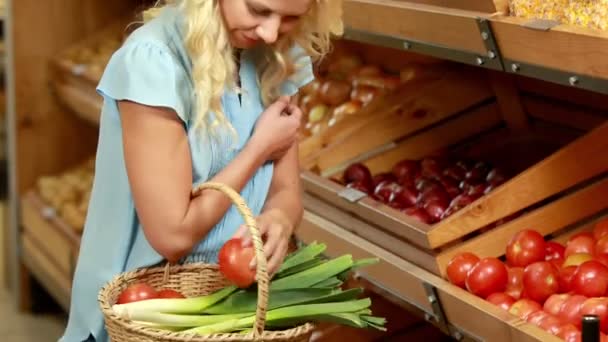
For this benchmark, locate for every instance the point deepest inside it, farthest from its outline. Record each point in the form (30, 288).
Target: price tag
(48, 213)
(352, 195)
(79, 69)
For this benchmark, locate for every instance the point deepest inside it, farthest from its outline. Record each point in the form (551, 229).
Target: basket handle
(261, 267)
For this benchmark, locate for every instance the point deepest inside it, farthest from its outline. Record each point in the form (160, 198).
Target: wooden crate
(78, 69)
(412, 70)
(558, 161)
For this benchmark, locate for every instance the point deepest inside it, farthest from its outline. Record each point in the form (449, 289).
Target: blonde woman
(199, 93)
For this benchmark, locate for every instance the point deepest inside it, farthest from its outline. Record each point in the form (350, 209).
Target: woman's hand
(277, 128)
(275, 230)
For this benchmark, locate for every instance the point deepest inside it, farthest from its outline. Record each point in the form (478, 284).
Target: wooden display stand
(494, 88)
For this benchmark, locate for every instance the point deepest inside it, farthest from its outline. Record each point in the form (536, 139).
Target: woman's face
(251, 22)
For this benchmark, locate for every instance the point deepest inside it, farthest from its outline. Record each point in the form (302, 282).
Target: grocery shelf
(464, 313)
(421, 26)
(561, 54)
(478, 33)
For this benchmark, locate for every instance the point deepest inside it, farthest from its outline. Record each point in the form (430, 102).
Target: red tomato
(524, 308)
(168, 293)
(601, 246)
(488, 276)
(565, 278)
(580, 243)
(569, 333)
(515, 284)
(525, 247)
(554, 250)
(599, 307)
(537, 317)
(459, 267)
(602, 257)
(553, 304)
(541, 280)
(591, 279)
(234, 260)
(137, 292)
(502, 300)
(577, 259)
(571, 310)
(600, 229)
(550, 324)
(557, 263)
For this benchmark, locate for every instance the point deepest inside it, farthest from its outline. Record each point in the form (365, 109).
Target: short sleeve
(147, 73)
(303, 75)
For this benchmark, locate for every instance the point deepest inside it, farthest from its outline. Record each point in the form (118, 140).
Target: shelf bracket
(438, 316)
(493, 56)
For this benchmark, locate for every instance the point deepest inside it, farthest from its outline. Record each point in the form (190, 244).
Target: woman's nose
(268, 30)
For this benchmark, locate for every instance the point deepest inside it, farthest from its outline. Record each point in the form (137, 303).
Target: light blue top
(153, 68)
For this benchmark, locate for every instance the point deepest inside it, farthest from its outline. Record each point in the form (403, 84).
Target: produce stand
(527, 95)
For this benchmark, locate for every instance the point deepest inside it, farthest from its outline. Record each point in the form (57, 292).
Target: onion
(406, 170)
(357, 172)
(383, 177)
(334, 92)
(386, 191)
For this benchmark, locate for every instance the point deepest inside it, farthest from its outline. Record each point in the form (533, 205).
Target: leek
(288, 313)
(314, 275)
(302, 255)
(173, 305)
(246, 301)
(185, 321)
(331, 283)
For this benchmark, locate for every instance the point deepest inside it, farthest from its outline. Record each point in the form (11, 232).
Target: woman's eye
(259, 12)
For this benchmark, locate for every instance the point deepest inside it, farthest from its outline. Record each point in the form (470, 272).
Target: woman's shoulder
(164, 33)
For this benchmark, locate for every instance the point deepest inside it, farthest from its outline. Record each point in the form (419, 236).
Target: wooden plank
(339, 242)
(373, 234)
(563, 113)
(547, 219)
(367, 209)
(467, 5)
(576, 162)
(564, 47)
(509, 101)
(60, 244)
(432, 24)
(463, 310)
(449, 133)
(420, 108)
(579, 97)
(42, 267)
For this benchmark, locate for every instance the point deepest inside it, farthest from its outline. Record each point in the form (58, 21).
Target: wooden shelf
(50, 247)
(428, 27)
(562, 54)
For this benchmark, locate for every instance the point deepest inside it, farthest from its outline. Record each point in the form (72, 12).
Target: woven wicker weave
(196, 279)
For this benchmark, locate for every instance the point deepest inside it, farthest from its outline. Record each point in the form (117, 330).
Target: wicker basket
(196, 279)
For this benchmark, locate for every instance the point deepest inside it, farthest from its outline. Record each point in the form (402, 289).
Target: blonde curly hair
(214, 67)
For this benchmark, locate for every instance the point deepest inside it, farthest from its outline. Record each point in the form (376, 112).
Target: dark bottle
(590, 331)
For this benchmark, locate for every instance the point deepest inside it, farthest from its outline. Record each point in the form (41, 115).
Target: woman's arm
(285, 195)
(159, 168)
